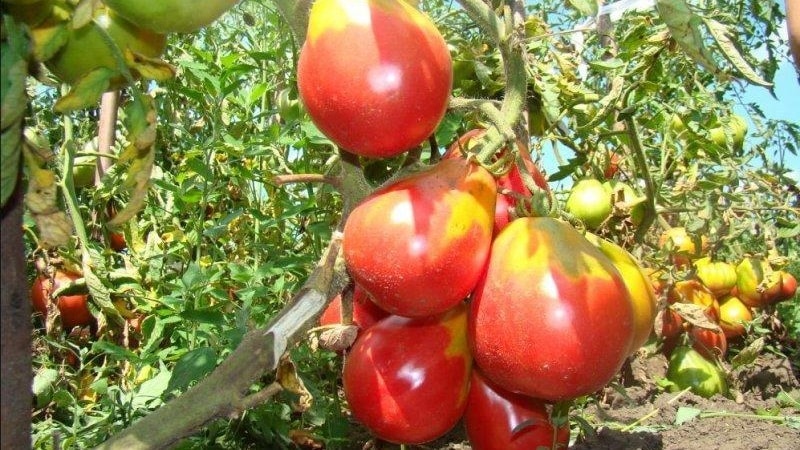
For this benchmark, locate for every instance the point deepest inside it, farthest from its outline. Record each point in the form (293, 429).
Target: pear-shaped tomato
(73, 308)
(712, 344)
(681, 246)
(589, 202)
(169, 16)
(717, 276)
(693, 291)
(374, 75)
(639, 287)
(365, 312)
(756, 282)
(419, 245)
(511, 183)
(406, 379)
(689, 369)
(733, 314)
(552, 318)
(496, 419)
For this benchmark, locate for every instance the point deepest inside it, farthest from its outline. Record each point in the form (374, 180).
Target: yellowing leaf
(87, 91)
(48, 39)
(683, 24)
(722, 35)
(150, 68)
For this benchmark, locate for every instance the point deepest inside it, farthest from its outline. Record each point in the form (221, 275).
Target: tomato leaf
(289, 380)
(192, 366)
(48, 39)
(695, 314)
(748, 354)
(686, 414)
(86, 92)
(585, 7)
(684, 27)
(722, 35)
(150, 68)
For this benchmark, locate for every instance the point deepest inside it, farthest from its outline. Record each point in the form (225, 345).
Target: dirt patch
(762, 413)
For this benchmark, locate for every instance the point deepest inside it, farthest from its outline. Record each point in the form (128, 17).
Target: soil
(762, 413)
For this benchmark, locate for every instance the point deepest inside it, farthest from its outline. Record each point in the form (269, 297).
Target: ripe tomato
(365, 312)
(496, 419)
(688, 369)
(73, 309)
(733, 314)
(511, 181)
(641, 291)
(552, 318)
(171, 16)
(407, 380)
(680, 245)
(693, 291)
(788, 287)
(419, 245)
(589, 202)
(717, 276)
(756, 282)
(709, 343)
(87, 47)
(117, 241)
(374, 75)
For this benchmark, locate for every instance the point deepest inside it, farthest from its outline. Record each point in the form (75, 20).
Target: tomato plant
(407, 379)
(419, 245)
(374, 75)
(365, 312)
(552, 319)
(496, 419)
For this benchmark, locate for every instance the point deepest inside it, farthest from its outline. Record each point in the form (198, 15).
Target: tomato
(738, 127)
(512, 181)
(756, 282)
(374, 75)
(680, 245)
(171, 16)
(73, 309)
(31, 13)
(419, 245)
(623, 193)
(365, 312)
(688, 369)
(406, 379)
(552, 319)
(87, 49)
(733, 314)
(712, 344)
(589, 202)
(640, 289)
(692, 291)
(612, 165)
(672, 324)
(788, 287)
(717, 276)
(117, 241)
(496, 419)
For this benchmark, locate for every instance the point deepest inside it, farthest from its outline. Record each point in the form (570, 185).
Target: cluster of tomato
(724, 296)
(90, 48)
(463, 311)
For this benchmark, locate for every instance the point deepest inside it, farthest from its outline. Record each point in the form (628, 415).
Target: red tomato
(788, 287)
(73, 309)
(365, 312)
(496, 419)
(511, 181)
(374, 75)
(552, 319)
(117, 241)
(709, 343)
(419, 245)
(406, 380)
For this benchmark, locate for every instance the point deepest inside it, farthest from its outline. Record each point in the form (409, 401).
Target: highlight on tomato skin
(375, 75)
(419, 245)
(496, 419)
(406, 380)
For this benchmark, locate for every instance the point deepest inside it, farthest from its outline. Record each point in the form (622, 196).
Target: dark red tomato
(709, 343)
(374, 75)
(406, 380)
(73, 309)
(671, 323)
(496, 419)
(552, 319)
(419, 245)
(365, 312)
(117, 241)
(512, 181)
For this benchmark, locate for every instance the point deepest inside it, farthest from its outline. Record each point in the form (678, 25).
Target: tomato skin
(552, 318)
(492, 415)
(640, 289)
(589, 202)
(374, 75)
(709, 343)
(752, 275)
(511, 181)
(718, 276)
(693, 291)
(689, 369)
(419, 245)
(733, 314)
(406, 379)
(788, 287)
(682, 247)
(73, 309)
(365, 312)
(171, 16)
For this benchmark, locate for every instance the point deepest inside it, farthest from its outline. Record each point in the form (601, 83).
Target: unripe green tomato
(718, 276)
(589, 202)
(738, 128)
(171, 16)
(688, 369)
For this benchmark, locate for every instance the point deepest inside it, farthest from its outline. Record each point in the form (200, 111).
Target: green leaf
(684, 26)
(115, 351)
(87, 91)
(48, 39)
(585, 7)
(748, 354)
(152, 389)
(44, 380)
(686, 414)
(191, 367)
(722, 35)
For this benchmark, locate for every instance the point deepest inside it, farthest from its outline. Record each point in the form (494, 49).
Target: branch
(280, 180)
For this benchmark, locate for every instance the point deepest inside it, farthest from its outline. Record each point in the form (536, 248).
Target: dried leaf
(695, 315)
(306, 439)
(684, 26)
(287, 377)
(722, 35)
(338, 338)
(748, 354)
